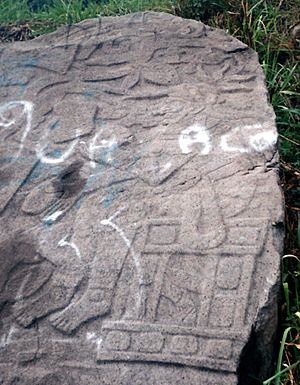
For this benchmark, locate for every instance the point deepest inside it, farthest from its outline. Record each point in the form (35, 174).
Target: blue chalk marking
(3, 81)
(54, 125)
(89, 93)
(16, 71)
(10, 80)
(43, 168)
(108, 201)
(56, 153)
(112, 191)
(49, 222)
(99, 122)
(23, 87)
(8, 159)
(55, 170)
(36, 173)
(78, 203)
(31, 62)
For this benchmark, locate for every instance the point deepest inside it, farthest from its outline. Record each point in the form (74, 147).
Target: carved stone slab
(141, 218)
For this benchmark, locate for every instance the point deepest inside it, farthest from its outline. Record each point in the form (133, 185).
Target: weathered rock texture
(141, 218)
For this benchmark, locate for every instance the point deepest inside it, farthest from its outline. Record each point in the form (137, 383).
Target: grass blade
(280, 356)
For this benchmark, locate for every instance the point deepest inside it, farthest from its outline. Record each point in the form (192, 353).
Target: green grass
(53, 13)
(266, 26)
(288, 362)
(14, 11)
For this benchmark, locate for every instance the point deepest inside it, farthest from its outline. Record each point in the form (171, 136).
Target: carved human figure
(20, 262)
(66, 235)
(118, 250)
(104, 165)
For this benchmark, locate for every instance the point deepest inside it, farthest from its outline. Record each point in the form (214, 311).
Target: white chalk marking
(94, 339)
(27, 109)
(109, 144)
(10, 333)
(53, 217)
(269, 281)
(64, 243)
(92, 148)
(195, 134)
(6, 338)
(90, 335)
(165, 167)
(49, 160)
(226, 147)
(108, 222)
(135, 256)
(258, 142)
(263, 140)
(98, 343)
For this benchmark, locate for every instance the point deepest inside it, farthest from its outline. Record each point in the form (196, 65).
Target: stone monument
(141, 218)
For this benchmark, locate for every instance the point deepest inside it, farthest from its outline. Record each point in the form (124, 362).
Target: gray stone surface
(141, 218)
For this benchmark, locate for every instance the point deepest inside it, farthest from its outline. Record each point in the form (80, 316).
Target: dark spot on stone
(69, 182)
(15, 251)
(18, 248)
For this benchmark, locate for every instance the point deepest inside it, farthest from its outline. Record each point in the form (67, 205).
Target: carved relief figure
(135, 167)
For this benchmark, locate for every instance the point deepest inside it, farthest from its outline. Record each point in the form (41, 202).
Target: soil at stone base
(15, 32)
